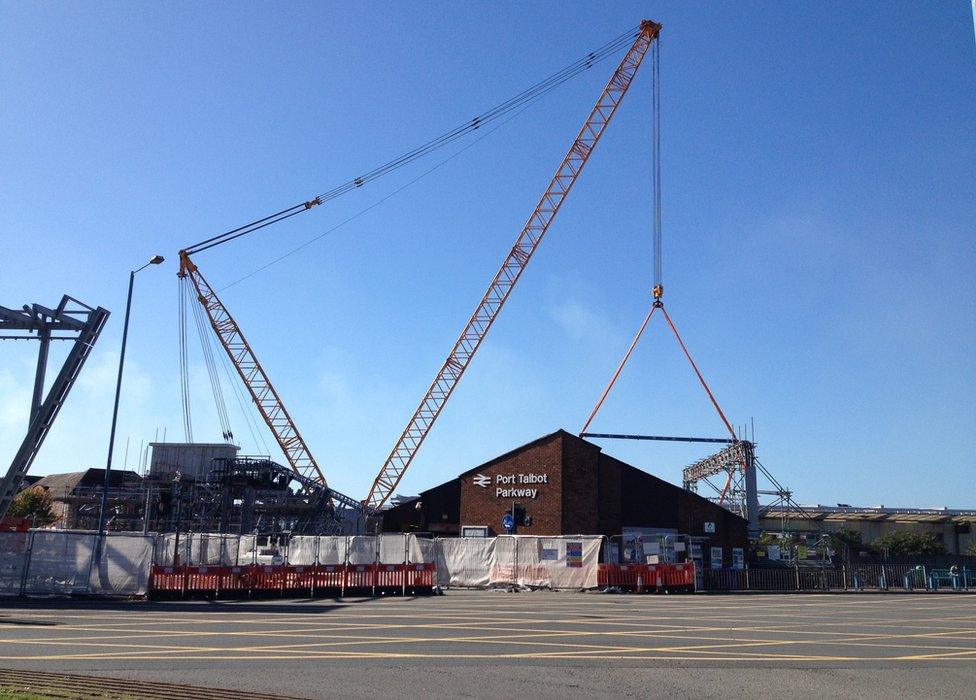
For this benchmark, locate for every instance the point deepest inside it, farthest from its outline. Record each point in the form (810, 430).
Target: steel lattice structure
(82, 324)
(737, 463)
(504, 281)
(259, 386)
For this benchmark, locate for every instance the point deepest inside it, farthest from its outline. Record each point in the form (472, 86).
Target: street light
(154, 260)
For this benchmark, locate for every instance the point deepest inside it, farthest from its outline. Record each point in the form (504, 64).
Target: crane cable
(206, 346)
(215, 382)
(184, 368)
(513, 103)
(656, 149)
(249, 419)
(251, 423)
(381, 200)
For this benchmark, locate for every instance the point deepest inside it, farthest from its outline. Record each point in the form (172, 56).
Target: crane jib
(504, 281)
(257, 382)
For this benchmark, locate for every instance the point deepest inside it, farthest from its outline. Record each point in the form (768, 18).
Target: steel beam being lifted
(667, 438)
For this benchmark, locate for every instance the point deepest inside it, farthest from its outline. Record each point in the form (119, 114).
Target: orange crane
(269, 404)
(504, 281)
(255, 379)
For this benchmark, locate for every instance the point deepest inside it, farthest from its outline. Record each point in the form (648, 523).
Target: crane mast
(258, 384)
(504, 281)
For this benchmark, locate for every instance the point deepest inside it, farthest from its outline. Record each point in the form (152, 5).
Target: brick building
(562, 485)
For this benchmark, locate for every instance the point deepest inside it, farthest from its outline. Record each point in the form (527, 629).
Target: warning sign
(574, 555)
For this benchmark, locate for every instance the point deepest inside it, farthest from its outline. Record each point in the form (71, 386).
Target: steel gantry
(71, 320)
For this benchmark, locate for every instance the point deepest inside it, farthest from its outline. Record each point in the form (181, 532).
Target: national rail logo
(482, 481)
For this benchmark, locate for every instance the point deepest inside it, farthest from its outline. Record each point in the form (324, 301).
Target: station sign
(512, 485)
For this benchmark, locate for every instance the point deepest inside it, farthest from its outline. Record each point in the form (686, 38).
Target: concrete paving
(497, 644)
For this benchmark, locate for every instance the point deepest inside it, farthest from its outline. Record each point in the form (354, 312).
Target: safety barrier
(419, 578)
(648, 578)
(41, 562)
(679, 577)
(168, 579)
(327, 579)
(360, 578)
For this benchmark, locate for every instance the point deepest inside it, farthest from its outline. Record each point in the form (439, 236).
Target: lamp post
(154, 260)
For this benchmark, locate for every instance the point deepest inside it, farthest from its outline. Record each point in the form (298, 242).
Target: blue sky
(819, 210)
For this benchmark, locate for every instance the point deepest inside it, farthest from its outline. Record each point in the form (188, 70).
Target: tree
(905, 542)
(844, 539)
(971, 550)
(33, 503)
(847, 543)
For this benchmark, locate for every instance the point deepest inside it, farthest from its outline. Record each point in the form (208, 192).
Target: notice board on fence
(574, 554)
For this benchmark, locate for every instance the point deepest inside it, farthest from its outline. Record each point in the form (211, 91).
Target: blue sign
(508, 522)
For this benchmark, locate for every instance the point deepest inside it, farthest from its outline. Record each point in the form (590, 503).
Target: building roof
(562, 433)
(61, 484)
(520, 448)
(872, 514)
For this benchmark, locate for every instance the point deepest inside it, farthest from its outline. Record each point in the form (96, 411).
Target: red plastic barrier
(197, 579)
(166, 578)
(390, 578)
(679, 576)
(266, 578)
(628, 577)
(647, 577)
(330, 577)
(419, 578)
(360, 577)
(203, 578)
(298, 578)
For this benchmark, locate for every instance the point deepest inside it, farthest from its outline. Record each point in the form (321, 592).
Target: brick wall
(580, 502)
(610, 497)
(480, 505)
(585, 491)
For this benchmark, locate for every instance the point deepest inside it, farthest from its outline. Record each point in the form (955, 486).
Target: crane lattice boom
(501, 286)
(258, 384)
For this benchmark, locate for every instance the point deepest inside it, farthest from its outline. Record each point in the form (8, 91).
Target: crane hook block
(658, 291)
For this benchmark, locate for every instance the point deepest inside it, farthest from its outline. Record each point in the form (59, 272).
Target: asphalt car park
(492, 643)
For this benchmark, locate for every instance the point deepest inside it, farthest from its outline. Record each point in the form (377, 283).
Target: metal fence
(859, 577)
(59, 562)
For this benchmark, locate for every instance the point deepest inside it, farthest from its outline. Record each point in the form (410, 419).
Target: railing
(881, 577)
